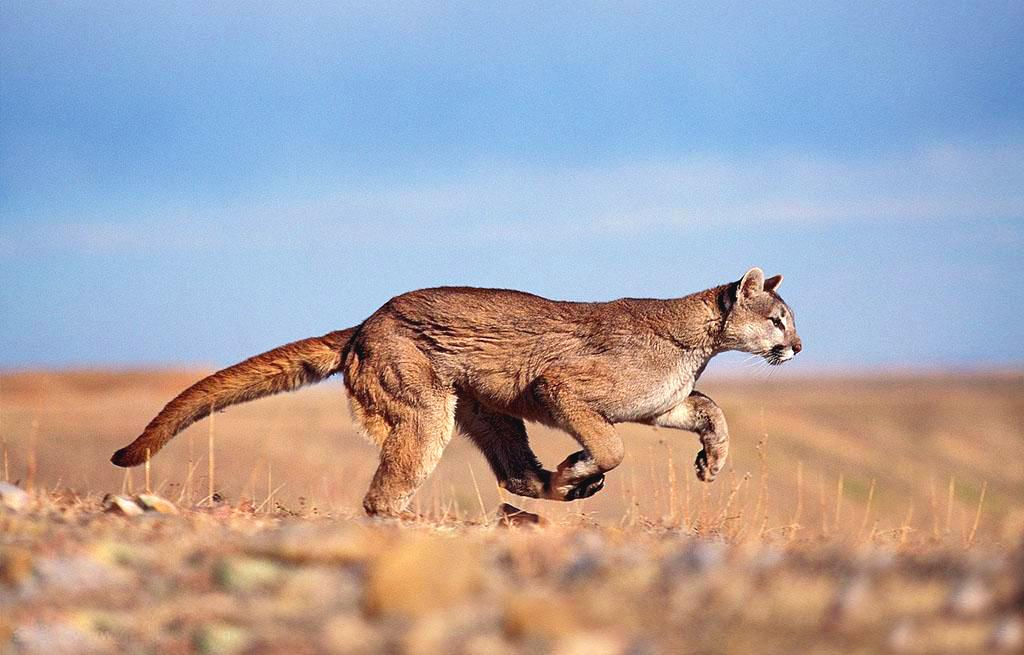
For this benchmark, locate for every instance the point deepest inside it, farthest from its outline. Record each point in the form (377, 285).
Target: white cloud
(518, 203)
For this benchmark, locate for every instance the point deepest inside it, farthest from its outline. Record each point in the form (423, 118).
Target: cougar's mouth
(778, 355)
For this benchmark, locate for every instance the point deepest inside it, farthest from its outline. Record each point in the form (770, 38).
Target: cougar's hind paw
(586, 488)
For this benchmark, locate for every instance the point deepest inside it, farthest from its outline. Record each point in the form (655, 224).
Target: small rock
(584, 566)
(320, 585)
(58, 637)
(15, 565)
(429, 634)
(538, 614)
(121, 505)
(766, 559)
(969, 597)
(421, 575)
(589, 643)
(220, 639)
(245, 574)
(901, 637)
(350, 635)
(304, 544)
(78, 575)
(1008, 636)
(509, 515)
(697, 556)
(154, 503)
(488, 643)
(12, 497)
(850, 598)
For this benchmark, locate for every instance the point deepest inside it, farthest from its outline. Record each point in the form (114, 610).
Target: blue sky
(197, 182)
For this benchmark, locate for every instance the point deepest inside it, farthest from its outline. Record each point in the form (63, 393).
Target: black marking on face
(776, 355)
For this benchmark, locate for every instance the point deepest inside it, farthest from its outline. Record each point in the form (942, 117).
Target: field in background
(900, 457)
(857, 515)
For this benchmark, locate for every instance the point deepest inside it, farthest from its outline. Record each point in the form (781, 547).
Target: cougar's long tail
(282, 369)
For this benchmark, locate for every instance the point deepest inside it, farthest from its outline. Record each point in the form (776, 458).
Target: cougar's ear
(751, 283)
(772, 283)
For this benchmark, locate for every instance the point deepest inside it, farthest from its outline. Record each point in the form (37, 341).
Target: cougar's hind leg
(403, 407)
(372, 425)
(410, 453)
(503, 441)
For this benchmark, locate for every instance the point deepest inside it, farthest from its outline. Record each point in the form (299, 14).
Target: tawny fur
(285, 368)
(485, 360)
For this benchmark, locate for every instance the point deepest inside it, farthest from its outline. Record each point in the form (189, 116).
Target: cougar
(487, 360)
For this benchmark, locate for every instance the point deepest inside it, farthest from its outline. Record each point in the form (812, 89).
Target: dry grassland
(857, 515)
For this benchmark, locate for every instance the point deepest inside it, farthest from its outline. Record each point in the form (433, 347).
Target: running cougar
(486, 359)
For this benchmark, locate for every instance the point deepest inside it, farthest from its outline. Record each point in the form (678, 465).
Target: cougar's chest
(657, 392)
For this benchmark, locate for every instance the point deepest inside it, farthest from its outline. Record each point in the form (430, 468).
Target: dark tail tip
(126, 458)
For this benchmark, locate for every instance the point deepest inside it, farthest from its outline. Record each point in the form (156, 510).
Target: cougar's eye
(778, 323)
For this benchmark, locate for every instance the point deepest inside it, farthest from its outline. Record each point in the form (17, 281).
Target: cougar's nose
(797, 346)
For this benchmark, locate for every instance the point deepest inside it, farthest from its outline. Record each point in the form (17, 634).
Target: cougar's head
(758, 321)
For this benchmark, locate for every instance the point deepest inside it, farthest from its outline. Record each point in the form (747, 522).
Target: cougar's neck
(697, 322)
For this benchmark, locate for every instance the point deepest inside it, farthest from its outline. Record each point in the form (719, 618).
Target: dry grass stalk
(658, 477)
(977, 514)
(186, 488)
(839, 501)
(673, 517)
(794, 523)
(702, 511)
(906, 528)
(435, 500)
(761, 505)
(30, 476)
(270, 486)
(266, 501)
(949, 503)
(724, 514)
(867, 509)
(822, 505)
(210, 461)
(687, 515)
(7, 463)
(3, 441)
(250, 482)
(634, 496)
(191, 468)
(479, 496)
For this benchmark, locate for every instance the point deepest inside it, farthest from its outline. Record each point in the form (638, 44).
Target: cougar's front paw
(577, 477)
(586, 488)
(575, 490)
(706, 472)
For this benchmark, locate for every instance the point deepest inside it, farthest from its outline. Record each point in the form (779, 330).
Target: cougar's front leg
(700, 414)
(581, 474)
